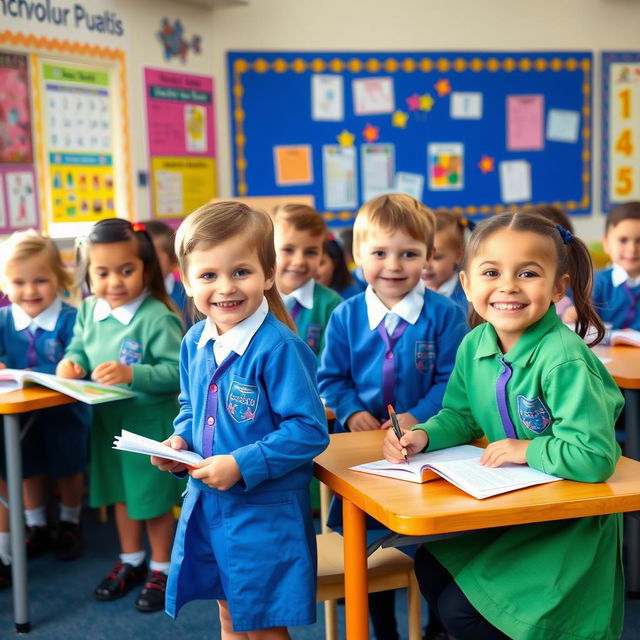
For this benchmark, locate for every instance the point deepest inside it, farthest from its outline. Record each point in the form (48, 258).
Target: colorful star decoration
(486, 164)
(442, 87)
(371, 133)
(399, 119)
(413, 102)
(426, 102)
(345, 138)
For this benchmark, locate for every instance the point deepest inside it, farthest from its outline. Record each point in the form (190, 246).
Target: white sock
(162, 567)
(135, 559)
(36, 517)
(70, 514)
(5, 547)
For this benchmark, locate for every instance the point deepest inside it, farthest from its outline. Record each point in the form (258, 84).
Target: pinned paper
(293, 164)
(373, 95)
(466, 105)
(446, 164)
(378, 168)
(410, 183)
(21, 198)
(515, 181)
(339, 173)
(563, 125)
(327, 97)
(525, 117)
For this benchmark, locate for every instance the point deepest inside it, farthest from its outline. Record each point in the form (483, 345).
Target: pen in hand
(396, 428)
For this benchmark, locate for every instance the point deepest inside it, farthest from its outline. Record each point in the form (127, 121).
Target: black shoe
(120, 581)
(151, 597)
(68, 544)
(38, 541)
(5, 575)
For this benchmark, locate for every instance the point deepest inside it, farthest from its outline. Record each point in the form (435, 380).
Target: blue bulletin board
(477, 133)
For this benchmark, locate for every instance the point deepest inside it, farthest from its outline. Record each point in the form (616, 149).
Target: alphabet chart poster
(620, 128)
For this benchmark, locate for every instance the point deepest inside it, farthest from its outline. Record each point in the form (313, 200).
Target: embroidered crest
(314, 336)
(53, 350)
(533, 414)
(242, 401)
(425, 356)
(130, 352)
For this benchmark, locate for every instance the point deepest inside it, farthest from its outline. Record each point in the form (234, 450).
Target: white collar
(123, 314)
(408, 308)
(237, 338)
(303, 294)
(169, 283)
(447, 288)
(44, 320)
(620, 276)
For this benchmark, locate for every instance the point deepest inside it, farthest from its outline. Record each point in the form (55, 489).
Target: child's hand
(175, 442)
(68, 369)
(570, 315)
(3, 365)
(503, 451)
(218, 472)
(412, 441)
(362, 421)
(405, 420)
(112, 373)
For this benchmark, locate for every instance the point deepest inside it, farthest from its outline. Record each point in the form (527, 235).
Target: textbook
(629, 337)
(82, 390)
(135, 443)
(461, 467)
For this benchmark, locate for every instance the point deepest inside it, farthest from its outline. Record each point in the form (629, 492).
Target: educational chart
(18, 197)
(479, 133)
(620, 128)
(79, 142)
(181, 139)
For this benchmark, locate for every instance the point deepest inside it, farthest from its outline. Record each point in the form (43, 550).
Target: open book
(82, 390)
(626, 336)
(128, 441)
(461, 467)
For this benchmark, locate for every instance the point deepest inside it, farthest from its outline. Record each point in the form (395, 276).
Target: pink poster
(179, 114)
(525, 122)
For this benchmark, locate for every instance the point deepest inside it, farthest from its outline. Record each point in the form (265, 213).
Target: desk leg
(16, 523)
(355, 572)
(632, 520)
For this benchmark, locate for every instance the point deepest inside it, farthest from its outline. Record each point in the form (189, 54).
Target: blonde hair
(301, 217)
(216, 222)
(23, 245)
(394, 212)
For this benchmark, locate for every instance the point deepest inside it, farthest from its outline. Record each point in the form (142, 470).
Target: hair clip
(138, 226)
(565, 234)
(331, 237)
(465, 223)
(79, 241)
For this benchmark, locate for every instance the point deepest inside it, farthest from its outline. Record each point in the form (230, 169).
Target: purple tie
(32, 356)
(388, 377)
(633, 306)
(294, 311)
(501, 397)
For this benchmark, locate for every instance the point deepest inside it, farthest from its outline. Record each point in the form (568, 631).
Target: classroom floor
(62, 606)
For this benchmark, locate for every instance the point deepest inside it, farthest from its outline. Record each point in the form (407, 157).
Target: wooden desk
(11, 405)
(438, 507)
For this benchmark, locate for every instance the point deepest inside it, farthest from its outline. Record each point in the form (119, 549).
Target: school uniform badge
(53, 350)
(130, 352)
(242, 401)
(533, 414)
(314, 336)
(425, 355)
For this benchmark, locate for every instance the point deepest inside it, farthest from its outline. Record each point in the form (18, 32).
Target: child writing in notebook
(34, 331)
(249, 405)
(541, 397)
(299, 235)
(128, 333)
(395, 343)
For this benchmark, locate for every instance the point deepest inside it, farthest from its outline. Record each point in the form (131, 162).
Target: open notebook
(629, 337)
(461, 467)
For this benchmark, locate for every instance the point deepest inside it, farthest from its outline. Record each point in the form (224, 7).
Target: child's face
(324, 273)
(391, 263)
(511, 282)
(166, 264)
(443, 263)
(31, 283)
(298, 256)
(226, 282)
(116, 272)
(622, 243)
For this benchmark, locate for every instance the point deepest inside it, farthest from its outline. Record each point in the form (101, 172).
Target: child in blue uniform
(541, 397)
(333, 272)
(34, 332)
(396, 342)
(249, 405)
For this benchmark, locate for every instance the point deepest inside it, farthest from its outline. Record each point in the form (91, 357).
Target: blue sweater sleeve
(183, 424)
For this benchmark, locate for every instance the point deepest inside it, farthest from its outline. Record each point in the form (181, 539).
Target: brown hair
(216, 222)
(454, 224)
(22, 245)
(573, 259)
(301, 217)
(395, 212)
(166, 235)
(626, 211)
(551, 212)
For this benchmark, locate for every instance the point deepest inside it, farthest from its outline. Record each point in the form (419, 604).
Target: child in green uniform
(128, 333)
(541, 397)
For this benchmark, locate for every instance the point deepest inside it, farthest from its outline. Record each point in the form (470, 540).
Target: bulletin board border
(390, 63)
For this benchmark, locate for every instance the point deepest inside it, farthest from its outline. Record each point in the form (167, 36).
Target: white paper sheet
(373, 95)
(327, 97)
(410, 183)
(563, 125)
(377, 162)
(339, 177)
(465, 105)
(515, 181)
